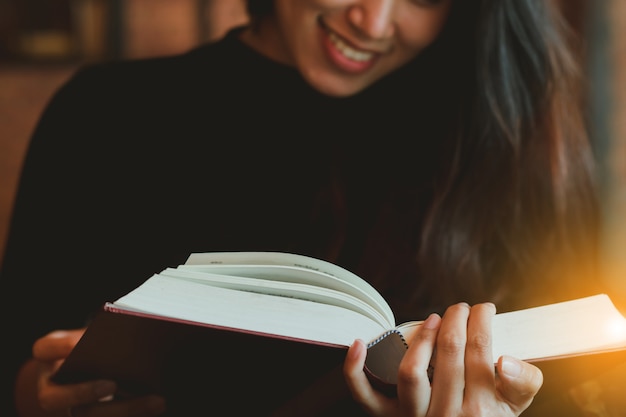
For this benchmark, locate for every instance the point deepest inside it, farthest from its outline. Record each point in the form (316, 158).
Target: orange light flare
(617, 329)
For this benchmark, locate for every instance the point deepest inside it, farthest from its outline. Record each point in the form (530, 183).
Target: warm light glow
(617, 329)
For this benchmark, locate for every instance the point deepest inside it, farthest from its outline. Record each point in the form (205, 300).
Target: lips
(344, 55)
(348, 51)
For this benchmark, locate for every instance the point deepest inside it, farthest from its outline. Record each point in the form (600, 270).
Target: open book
(227, 306)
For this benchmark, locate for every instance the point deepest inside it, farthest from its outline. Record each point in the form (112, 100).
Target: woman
(434, 147)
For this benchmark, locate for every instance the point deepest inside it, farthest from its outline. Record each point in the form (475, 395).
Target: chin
(339, 92)
(337, 87)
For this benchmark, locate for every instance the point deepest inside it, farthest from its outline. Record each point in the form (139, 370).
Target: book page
(298, 261)
(297, 275)
(570, 328)
(278, 288)
(247, 311)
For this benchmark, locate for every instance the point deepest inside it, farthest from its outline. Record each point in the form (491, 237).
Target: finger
(449, 373)
(413, 381)
(374, 402)
(147, 406)
(56, 345)
(517, 382)
(479, 363)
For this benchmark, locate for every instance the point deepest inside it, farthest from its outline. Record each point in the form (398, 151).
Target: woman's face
(343, 46)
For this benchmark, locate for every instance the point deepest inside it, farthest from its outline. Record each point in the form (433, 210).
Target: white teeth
(347, 51)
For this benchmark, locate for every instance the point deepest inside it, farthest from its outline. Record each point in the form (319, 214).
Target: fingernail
(511, 367)
(104, 388)
(355, 350)
(432, 322)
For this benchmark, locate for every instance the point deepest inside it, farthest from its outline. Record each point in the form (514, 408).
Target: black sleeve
(135, 165)
(44, 283)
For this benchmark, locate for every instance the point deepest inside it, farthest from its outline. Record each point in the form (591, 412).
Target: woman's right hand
(85, 399)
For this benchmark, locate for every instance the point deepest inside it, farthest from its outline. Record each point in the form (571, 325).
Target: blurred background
(42, 42)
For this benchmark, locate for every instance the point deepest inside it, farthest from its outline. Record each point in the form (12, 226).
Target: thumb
(56, 345)
(518, 382)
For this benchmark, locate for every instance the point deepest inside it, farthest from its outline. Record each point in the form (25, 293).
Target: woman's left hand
(464, 382)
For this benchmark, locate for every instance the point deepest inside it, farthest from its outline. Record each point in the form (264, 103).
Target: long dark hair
(516, 209)
(514, 213)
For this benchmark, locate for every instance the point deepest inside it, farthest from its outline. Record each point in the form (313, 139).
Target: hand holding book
(207, 315)
(462, 379)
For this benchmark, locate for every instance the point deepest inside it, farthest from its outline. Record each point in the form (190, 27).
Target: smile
(347, 50)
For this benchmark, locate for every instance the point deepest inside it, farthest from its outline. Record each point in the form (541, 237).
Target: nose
(373, 18)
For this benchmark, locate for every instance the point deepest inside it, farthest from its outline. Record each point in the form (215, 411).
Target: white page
(298, 261)
(295, 275)
(568, 328)
(288, 317)
(278, 288)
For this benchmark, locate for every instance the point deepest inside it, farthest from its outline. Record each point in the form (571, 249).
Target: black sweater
(136, 164)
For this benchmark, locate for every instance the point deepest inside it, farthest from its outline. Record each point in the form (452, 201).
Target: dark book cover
(199, 368)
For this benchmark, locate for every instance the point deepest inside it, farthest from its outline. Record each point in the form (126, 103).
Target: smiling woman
(342, 50)
(437, 149)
